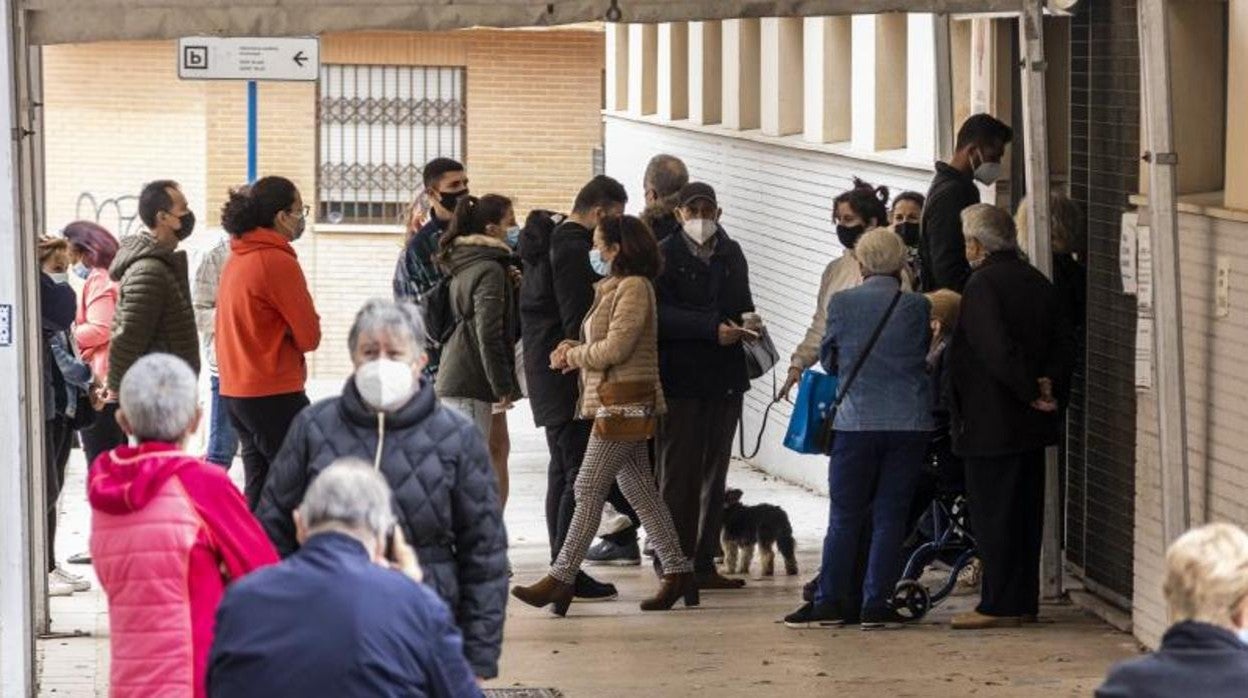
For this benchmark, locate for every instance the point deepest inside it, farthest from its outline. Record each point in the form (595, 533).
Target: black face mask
(188, 225)
(909, 233)
(450, 199)
(848, 235)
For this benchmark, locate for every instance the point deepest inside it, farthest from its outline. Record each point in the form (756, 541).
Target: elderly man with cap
(703, 294)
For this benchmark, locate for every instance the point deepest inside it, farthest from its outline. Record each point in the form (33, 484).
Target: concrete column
(879, 82)
(642, 69)
(705, 72)
(1237, 106)
(780, 75)
(673, 70)
(827, 70)
(741, 73)
(617, 67)
(921, 86)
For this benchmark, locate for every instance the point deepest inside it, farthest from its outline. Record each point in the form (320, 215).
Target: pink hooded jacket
(168, 533)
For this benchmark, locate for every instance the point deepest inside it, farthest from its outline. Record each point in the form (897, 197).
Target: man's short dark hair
(601, 191)
(983, 130)
(155, 198)
(435, 168)
(666, 174)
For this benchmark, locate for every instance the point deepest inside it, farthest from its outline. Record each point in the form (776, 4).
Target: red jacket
(168, 532)
(266, 321)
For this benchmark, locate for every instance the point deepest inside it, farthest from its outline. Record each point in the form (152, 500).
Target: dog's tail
(787, 547)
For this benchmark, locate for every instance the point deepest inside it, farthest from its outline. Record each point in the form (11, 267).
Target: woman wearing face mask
(478, 369)
(617, 352)
(1205, 651)
(434, 459)
(905, 217)
(853, 212)
(91, 250)
(266, 321)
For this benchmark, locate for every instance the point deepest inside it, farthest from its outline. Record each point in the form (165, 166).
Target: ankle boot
(673, 587)
(545, 592)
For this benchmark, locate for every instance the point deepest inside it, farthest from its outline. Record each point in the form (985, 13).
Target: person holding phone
(349, 606)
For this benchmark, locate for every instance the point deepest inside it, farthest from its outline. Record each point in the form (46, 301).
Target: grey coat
(445, 496)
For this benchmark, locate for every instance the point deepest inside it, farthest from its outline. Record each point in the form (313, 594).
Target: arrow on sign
(300, 59)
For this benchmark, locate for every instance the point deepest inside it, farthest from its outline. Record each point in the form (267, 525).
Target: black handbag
(760, 354)
(828, 430)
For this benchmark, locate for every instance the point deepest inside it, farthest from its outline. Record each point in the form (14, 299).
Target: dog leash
(758, 443)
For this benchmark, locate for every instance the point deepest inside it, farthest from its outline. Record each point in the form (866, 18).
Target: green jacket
(479, 360)
(154, 312)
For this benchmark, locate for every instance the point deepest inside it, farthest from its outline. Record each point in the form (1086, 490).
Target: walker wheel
(911, 599)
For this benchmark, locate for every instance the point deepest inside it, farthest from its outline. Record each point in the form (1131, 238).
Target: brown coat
(620, 333)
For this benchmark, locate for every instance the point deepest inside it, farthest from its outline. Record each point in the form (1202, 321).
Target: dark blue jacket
(694, 298)
(445, 496)
(330, 622)
(1195, 659)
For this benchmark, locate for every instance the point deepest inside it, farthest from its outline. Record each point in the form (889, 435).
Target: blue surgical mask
(60, 277)
(82, 271)
(513, 237)
(602, 267)
(1243, 635)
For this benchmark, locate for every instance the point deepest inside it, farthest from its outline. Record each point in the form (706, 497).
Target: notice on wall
(1144, 353)
(1144, 269)
(1126, 257)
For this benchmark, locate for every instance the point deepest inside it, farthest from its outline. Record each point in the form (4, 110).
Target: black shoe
(812, 615)
(588, 589)
(882, 619)
(607, 553)
(79, 559)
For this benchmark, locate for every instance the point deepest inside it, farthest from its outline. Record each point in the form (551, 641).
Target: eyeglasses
(306, 211)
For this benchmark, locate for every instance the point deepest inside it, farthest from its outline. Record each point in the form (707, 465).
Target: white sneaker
(612, 521)
(77, 581)
(59, 587)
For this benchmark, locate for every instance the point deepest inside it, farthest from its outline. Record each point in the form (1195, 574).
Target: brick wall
(118, 116)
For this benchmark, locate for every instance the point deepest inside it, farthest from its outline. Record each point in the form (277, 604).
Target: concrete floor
(733, 645)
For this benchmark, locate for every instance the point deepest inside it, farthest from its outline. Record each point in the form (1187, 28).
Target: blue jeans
(871, 473)
(222, 439)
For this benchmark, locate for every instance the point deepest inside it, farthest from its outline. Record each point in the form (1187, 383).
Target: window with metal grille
(378, 126)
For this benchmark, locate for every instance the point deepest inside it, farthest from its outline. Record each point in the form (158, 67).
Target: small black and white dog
(763, 525)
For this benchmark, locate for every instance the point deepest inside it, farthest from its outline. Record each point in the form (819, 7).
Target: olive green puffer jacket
(154, 312)
(479, 360)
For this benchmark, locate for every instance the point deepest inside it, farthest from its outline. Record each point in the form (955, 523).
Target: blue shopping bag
(815, 394)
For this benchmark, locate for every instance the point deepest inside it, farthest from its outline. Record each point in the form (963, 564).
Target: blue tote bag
(815, 394)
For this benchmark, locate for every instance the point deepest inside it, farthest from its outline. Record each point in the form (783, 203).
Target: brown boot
(715, 580)
(974, 620)
(673, 587)
(545, 592)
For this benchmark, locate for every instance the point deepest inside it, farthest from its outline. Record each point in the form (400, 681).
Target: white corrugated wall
(776, 195)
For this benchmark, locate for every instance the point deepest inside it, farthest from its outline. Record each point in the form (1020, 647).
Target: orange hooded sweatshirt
(266, 321)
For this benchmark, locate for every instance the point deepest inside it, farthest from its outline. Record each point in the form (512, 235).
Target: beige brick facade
(118, 116)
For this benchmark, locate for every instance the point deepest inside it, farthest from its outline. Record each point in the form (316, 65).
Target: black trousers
(58, 438)
(694, 448)
(1005, 500)
(567, 443)
(103, 435)
(262, 423)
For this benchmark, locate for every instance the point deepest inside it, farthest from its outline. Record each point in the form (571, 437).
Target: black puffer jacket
(445, 495)
(555, 295)
(479, 360)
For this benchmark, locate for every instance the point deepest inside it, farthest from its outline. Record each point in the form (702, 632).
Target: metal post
(1036, 149)
(1167, 292)
(17, 666)
(943, 48)
(253, 108)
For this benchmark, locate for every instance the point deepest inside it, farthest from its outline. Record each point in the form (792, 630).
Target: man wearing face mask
(702, 294)
(416, 273)
(154, 312)
(980, 146)
(265, 321)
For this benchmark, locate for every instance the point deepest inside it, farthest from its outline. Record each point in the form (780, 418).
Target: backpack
(435, 306)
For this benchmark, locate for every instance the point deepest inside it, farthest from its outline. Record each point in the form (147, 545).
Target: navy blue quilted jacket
(445, 496)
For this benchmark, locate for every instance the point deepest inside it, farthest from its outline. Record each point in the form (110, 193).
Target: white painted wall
(777, 200)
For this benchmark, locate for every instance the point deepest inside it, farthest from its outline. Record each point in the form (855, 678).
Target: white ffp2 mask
(385, 384)
(700, 229)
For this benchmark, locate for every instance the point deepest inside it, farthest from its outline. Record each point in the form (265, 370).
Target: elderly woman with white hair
(1009, 366)
(169, 532)
(876, 342)
(351, 617)
(1205, 651)
(434, 458)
